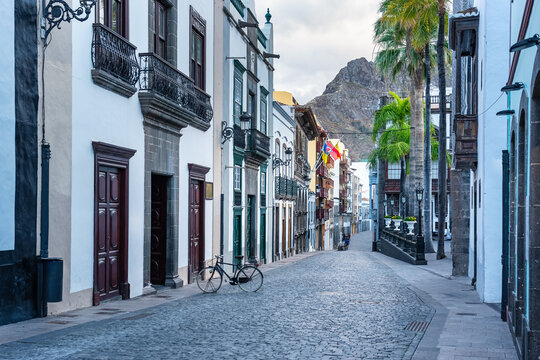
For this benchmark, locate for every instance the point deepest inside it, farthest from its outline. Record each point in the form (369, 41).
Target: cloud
(315, 39)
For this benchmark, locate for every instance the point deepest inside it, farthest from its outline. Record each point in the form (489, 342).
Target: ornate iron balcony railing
(162, 78)
(114, 55)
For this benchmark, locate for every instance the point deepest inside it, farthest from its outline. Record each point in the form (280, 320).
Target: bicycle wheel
(209, 279)
(250, 278)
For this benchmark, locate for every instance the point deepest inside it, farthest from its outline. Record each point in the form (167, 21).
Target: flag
(334, 151)
(325, 151)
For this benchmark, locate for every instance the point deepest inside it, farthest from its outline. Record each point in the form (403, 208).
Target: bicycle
(248, 277)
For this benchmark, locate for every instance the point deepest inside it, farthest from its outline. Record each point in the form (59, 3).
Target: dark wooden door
(158, 235)
(109, 237)
(196, 228)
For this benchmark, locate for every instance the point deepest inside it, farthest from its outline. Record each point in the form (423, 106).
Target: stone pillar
(460, 216)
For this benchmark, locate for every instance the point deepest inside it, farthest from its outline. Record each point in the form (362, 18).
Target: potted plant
(397, 221)
(410, 221)
(387, 220)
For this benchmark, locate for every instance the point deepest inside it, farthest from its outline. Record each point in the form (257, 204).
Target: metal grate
(466, 314)
(417, 326)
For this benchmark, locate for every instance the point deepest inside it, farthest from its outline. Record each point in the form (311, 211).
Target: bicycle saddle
(239, 257)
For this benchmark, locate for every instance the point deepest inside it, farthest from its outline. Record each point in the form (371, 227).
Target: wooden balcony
(466, 146)
(258, 147)
(322, 171)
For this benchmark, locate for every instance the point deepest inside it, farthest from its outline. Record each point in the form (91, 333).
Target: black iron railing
(259, 143)
(114, 55)
(160, 77)
(410, 244)
(286, 188)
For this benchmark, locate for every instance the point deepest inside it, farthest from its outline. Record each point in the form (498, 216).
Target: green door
(249, 241)
(263, 237)
(237, 235)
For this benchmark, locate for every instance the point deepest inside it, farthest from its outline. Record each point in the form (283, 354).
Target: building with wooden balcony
(306, 129)
(321, 186)
(478, 137)
(247, 174)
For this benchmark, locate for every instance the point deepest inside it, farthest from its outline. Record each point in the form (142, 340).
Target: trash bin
(53, 273)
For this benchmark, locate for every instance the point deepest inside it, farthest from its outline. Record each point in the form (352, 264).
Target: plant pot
(397, 223)
(410, 226)
(387, 222)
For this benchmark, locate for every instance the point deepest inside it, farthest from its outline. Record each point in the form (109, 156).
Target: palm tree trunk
(416, 159)
(427, 156)
(442, 132)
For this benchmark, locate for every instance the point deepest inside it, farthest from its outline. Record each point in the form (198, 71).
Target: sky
(316, 38)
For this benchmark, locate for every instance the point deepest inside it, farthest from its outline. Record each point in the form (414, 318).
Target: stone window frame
(172, 29)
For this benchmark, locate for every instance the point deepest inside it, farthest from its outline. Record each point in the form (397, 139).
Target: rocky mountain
(346, 107)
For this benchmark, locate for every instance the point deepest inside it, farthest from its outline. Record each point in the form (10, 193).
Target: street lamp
(419, 197)
(227, 132)
(384, 204)
(279, 162)
(392, 206)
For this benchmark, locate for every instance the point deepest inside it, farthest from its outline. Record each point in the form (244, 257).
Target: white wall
(492, 62)
(101, 115)
(196, 146)
(7, 124)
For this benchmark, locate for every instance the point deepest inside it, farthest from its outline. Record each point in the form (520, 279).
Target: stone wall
(460, 220)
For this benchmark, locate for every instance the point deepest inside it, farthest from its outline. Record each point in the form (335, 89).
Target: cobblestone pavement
(333, 305)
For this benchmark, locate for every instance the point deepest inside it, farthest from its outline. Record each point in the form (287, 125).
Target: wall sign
(209, 191)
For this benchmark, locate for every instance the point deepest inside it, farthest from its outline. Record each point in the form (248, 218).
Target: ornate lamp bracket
(227, 132)
(58, 11)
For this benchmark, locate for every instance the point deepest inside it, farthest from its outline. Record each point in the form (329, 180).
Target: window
(160, 32)
(394, 171)
(263, 113)
(276, 154)
(238, 87)
(197, 49)
(113, 14)
(237, 178)
(434, 170)
(251, 107)
(263, 182)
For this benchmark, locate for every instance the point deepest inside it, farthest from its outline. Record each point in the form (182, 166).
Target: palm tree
(392, 128)
(441, 12)
(403, 32)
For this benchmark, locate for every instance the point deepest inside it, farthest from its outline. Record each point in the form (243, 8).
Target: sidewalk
(127, 309)
(462, 327)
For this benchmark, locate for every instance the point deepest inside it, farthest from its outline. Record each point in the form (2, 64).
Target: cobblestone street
(344, 305)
